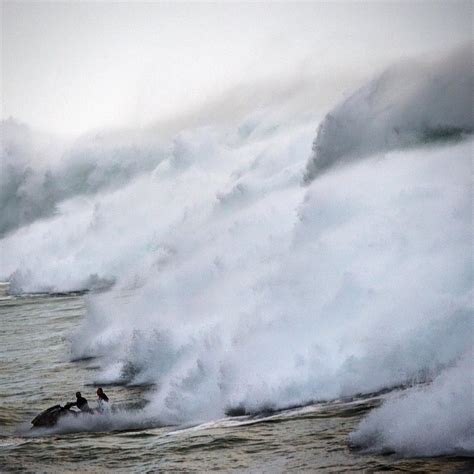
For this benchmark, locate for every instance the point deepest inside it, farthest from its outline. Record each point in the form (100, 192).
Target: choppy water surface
(37, 372)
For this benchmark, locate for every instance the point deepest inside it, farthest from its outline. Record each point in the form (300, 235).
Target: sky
(69, 67)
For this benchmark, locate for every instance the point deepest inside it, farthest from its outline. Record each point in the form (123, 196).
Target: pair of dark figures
(81, 402)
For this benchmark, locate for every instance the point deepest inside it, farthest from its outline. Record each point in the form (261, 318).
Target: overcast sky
(70, 67)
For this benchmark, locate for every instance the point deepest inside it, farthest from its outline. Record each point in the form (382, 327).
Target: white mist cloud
(70, 67)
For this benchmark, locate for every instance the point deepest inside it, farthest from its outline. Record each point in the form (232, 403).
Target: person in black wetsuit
(81, 403)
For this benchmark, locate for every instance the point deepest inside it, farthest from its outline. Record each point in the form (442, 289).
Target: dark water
(36, 372)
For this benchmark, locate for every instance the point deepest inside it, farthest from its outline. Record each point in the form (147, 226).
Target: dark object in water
(51, 416)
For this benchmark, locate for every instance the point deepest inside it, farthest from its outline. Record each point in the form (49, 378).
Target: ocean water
(37, 372)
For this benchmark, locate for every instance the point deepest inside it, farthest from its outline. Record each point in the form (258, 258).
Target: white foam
(426, 421)
(366, 288)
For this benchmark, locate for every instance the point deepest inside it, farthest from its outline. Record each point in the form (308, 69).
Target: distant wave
(409, 104)
(36, 174)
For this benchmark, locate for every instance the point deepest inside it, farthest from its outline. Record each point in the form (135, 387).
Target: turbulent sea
(37, 373)
(252, 293)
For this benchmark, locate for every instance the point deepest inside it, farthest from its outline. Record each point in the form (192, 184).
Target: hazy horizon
(71, 67)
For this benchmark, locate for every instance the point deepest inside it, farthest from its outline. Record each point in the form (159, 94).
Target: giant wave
(237, 286)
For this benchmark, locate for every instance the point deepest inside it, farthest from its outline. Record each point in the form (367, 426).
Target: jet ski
(49, 418)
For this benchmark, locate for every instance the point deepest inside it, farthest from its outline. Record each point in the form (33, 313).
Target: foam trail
(119, 419)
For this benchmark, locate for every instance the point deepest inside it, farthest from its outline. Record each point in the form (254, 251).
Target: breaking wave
(428, 421)
(409, 104)
(237, 288)
(38, 172)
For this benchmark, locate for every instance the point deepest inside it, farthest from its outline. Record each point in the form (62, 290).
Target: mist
(114, 64)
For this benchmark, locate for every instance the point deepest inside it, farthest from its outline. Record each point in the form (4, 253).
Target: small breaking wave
(436, 419)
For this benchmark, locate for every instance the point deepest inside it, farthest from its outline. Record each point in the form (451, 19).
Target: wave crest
(409, 104)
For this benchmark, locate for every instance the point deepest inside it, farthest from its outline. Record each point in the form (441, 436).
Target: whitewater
(258, 266)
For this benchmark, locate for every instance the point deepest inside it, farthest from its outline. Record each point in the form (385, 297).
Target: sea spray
(425, 421)
(348, 299)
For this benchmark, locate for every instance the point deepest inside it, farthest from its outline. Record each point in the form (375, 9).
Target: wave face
(409, 104)
(237, 288)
